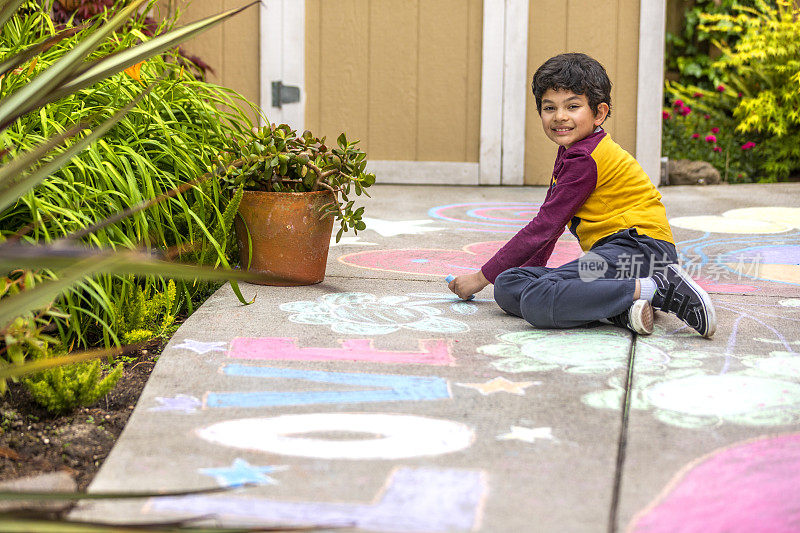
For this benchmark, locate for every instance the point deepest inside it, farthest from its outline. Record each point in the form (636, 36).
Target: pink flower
(706, 117)
(720, 88)
(740, 95)
(717, 149)
(711, 139)
(665, 115)
(715, 130)
(695, 135)
(678, 103)
(748, 145)
(697, 95)
(684, 111)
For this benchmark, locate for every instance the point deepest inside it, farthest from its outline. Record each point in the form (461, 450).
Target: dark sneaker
(638, 318)
(678, 294)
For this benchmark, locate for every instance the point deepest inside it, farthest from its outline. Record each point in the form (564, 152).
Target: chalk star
(345, 241)
(241, 472)
(181, 402)
(528, 434)
(201, 347)
(391, 228)
(500, 384)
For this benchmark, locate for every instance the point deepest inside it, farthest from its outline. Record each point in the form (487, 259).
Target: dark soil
(33, 441)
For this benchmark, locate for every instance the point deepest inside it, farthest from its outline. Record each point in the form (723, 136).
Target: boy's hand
(468, 284)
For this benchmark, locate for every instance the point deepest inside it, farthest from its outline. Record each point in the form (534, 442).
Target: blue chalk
(450, 278)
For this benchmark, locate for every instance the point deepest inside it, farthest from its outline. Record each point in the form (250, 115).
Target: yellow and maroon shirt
(597, 189)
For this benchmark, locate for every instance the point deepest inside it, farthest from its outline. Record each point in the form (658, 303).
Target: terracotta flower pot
(289, 238)
(70, 5)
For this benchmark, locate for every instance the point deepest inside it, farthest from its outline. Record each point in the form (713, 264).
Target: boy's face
(567, 117)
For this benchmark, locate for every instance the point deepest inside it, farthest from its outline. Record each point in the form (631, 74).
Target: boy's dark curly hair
(575, 72)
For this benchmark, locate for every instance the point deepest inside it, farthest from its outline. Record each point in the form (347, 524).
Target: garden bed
(33, 441)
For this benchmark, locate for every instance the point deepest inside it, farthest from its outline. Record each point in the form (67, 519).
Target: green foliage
(755, 97)
(142, 317)
(24, 337)
(276, 159)
(62, 389)
(699, 125)
(764, 68)
(166, 142)
(688, 52)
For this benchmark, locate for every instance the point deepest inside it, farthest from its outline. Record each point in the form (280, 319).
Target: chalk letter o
(396, 436)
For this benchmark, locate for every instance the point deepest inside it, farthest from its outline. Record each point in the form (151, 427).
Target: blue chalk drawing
(357, 313)
(241, 472)
(381, 388)
(415, 499)
(180, 402)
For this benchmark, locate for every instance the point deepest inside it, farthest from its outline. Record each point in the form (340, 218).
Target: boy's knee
(535, 307)
(505, 294)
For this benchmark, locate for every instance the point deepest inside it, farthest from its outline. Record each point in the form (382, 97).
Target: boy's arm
(534, 243)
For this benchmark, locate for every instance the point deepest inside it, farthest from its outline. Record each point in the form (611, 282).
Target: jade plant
(276, 159)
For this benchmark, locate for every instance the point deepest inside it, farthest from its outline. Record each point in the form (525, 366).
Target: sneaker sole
(641, 317)
(711, 318)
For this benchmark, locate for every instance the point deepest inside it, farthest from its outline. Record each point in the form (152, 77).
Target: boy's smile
(567, 117)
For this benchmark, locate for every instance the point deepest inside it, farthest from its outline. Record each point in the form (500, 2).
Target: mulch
(33, 441)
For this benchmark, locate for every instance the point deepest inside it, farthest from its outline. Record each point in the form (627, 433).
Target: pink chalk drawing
(438, 262)
(431, 351)
(710, 285)
(750, 486)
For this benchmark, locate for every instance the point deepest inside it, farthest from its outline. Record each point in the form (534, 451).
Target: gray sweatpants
(598, 285)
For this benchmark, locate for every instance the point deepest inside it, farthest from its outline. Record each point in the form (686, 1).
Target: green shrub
(689, 52)
(62, 389)
(142, 316)
(699, 125)
(170, 139)
(763, 68)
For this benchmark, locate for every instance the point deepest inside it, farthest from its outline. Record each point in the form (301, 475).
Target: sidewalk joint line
(622, 440)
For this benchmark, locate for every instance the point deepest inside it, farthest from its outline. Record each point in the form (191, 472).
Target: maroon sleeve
(533, 244)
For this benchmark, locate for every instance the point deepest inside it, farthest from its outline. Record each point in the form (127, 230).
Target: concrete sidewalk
(377, 401)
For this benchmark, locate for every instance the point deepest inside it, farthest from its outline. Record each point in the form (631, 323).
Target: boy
(610, 205)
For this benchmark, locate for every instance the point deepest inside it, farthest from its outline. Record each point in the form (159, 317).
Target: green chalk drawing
(781, 364)
(761, 395)
(357, 313)
(587, 351)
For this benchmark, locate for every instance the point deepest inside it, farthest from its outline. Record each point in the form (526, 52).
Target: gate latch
(284, 94)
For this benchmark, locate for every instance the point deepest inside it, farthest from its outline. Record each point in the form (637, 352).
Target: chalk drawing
(732, 264)
(785, 365)
(761, 395)
(779, 263)
(413, 499)
(431, 351)
(200, 347)
(179, 402)
(379, 388)
(392, 228)
(241, 472)
(580, 351)
(358, 313)
(750, 220)
(500, 384)
(439, 262)
(387, 436)
(750, 486)
(528, 434)
(508, 216)
(790, 302)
